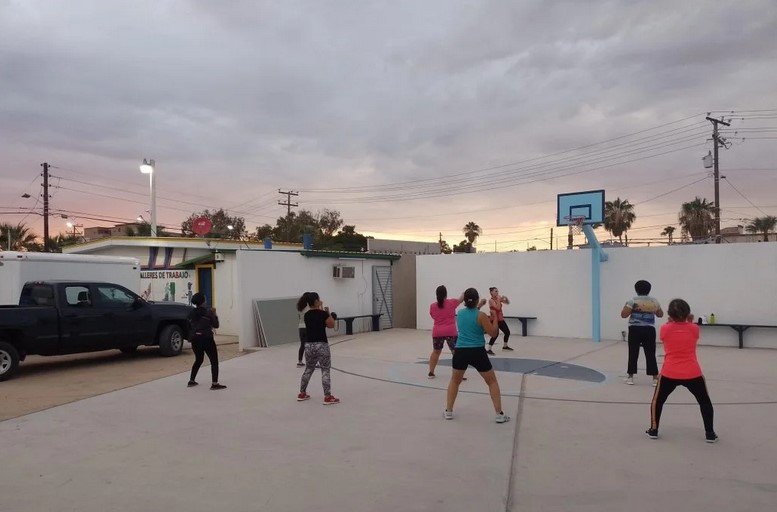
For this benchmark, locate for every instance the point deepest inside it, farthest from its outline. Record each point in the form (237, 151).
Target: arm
(505, 300)
(489, 324)
(626, 311)
(460, 299)
(660, 312)
(214, 319)
(330, 322)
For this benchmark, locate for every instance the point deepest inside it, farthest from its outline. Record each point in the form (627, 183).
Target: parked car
(70, 317)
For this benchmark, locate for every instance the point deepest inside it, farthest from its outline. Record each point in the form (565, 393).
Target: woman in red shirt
(444, 331)
(681, 368)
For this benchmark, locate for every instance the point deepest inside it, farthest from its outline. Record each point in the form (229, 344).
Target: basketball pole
(597, 257)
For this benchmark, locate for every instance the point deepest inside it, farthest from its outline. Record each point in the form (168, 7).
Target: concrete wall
(403, 278)
(737, 282)
(273, 274)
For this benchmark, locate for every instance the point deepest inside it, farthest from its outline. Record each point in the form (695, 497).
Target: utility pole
(288, 204)
(551, 239)
(716, 143)
(45, 166)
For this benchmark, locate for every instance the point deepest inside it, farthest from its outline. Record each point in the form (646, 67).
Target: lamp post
(147, 167)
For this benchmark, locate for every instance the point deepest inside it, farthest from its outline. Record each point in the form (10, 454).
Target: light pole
(147, 167)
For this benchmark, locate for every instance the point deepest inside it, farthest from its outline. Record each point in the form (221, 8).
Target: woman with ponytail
(317, 319)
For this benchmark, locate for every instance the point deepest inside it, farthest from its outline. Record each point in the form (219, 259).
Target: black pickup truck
(69, 317)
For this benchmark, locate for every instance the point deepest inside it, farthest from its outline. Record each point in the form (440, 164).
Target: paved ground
(44, 382)
(573, 446)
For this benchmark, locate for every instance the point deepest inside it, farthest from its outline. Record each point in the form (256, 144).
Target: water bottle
(712, 318)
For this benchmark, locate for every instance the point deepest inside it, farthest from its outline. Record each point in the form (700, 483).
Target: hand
(481, 303)
(213, 310)
(326, 308)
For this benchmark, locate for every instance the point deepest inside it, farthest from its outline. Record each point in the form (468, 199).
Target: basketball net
(575, 224)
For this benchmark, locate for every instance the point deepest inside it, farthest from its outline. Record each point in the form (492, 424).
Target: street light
(147, 167)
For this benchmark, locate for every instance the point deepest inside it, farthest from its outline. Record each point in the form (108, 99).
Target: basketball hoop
(575, 223)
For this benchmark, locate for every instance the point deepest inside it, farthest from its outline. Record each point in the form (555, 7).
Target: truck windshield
(37, 295)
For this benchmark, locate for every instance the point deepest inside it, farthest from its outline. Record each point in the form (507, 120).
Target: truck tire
(170, 340)
(9, 360)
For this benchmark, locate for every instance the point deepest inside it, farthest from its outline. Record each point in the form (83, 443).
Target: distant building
(737, 234)
(126, 229)
(378, 246)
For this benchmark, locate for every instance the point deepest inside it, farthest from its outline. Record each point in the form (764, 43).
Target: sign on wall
(167, 285)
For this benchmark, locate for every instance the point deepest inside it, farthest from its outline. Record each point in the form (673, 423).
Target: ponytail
(308, 299)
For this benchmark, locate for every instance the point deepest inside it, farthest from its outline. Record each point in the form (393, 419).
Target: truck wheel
(9, 360)
(171, 340)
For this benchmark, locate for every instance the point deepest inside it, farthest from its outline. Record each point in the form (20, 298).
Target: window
(113, 297)
(37, 295)
(78, 296)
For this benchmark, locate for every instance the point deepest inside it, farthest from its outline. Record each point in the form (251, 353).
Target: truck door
(82, 325)
(130, 324)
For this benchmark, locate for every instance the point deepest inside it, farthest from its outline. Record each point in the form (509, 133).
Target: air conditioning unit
(341, 272)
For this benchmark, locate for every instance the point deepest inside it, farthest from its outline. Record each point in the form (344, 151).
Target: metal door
(382, 296)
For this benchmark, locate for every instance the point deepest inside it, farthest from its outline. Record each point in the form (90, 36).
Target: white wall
(274, 274)
(737, 282)
(225, 292)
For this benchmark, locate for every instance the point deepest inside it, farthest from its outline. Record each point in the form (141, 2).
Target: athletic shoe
(711, 437)
(331, 400)
(302, 397)
(300, 364)
(502, 418)
(448, 415)
(431, 375)
(630, 380)
(191, 384)
(507, 348)
(216, 387)
(490, 352)
(652, 433)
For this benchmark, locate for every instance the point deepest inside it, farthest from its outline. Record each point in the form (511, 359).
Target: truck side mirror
(137, 303)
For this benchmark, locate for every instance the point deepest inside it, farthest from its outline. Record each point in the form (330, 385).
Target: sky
(410, 118)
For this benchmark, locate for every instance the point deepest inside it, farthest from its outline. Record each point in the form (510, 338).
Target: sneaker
(300, 364)
(490, 352)
(216, 387)
(302, 397)
(191, 384)
(652, 433)
(711, 437)
(502, 418)
(331, 400)
(630, 380)
(448, 415)
(507, 348)
(431, 375)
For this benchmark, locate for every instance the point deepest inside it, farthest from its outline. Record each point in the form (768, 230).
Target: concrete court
(572, 445)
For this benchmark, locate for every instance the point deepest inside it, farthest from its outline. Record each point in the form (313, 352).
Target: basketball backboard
(589, 205)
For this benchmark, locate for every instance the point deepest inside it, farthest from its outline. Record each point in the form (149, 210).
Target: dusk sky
(411, 118)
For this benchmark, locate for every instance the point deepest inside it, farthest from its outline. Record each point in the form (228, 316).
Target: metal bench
(740, 329)
(524, 321)
(349, 321)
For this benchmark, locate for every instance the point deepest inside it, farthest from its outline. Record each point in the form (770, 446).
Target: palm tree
(618, 217)
(763, 225)
(668, 231)
(697, 218)
(21, 237)
(472, 231)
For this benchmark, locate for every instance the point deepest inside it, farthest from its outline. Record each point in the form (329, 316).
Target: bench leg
(741, 331)
(523, 327)
(349, 326)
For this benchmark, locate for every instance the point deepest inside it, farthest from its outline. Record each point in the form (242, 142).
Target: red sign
(202, 226)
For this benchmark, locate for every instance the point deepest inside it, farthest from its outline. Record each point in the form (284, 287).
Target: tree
(697, 218)
(144, 229)
(471, 232)
(329, 222)
(444, 247)
(668, 231)
(262, 232)
(348, 240)
(291, 227)
(763, 225)
(463, 246)
(220, 220)
(20, 236)
(618, 217)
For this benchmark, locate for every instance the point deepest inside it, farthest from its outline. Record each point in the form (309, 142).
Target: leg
(199, 357)
(453, 388)
(493, 389)
(649, 346)
(506, 330)
(633, 352)
(325, 361)
(311, 358)
(698, 387)
(302, 337)
(213, 357)
(433, 359)
(663, 390)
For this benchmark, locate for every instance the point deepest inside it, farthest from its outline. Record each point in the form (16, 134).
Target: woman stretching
(317, 319)
(681, 368)
(495, 305)
(203, 320)
(471, 350)
(444, 331)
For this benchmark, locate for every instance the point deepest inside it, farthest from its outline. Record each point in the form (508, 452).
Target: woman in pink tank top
(443, 311)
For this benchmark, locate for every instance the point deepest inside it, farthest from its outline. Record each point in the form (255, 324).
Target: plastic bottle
(712, 318)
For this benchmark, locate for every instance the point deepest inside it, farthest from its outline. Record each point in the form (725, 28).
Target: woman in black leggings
(203, 320)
